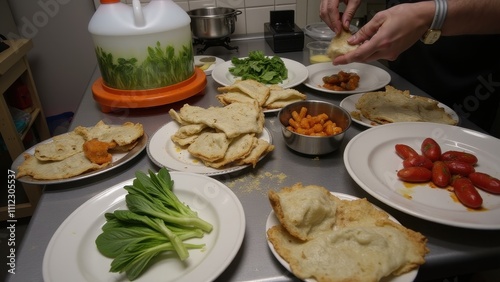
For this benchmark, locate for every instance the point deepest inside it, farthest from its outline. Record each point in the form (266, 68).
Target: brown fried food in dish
(341, 81)
(97, 151)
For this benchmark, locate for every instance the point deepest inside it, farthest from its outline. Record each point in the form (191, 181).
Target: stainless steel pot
(213, 22)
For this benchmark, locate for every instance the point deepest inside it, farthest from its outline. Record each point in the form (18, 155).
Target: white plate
(297, 73)
(349, 104)
(212, 66)
(372, 162)
(72, 255)
(272, 220)
(164, 152)
(119, 158)
(371, 77)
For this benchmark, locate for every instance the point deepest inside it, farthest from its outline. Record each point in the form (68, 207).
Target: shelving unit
(14, 66)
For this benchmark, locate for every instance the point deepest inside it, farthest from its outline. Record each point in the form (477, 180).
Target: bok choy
(156, 221)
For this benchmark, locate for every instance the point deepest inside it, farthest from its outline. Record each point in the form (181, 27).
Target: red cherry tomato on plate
(405, 151)
(460, 168)
(459, 156)
(418, 161)
(466, 192)
(416, 174)
(431, 149)
(485, 182)
(440, 174)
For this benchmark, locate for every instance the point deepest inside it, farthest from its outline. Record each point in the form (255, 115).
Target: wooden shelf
(14, 66)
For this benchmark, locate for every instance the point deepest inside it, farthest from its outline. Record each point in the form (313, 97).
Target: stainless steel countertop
(452, 250)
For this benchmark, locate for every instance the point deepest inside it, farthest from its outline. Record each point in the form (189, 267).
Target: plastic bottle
(142, 46)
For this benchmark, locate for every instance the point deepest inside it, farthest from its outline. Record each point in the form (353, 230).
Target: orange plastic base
(112, 98)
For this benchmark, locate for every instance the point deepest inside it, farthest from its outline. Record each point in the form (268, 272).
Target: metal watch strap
(440, 14)
(437, 23)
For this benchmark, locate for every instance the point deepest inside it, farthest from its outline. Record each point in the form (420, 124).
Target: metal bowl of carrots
(313, 127)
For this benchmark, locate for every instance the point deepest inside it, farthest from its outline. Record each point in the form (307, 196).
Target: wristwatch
(434, 32)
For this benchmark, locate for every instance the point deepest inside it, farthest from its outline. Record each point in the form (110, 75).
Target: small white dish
(297, 73)
(209, 70)
(371, 77)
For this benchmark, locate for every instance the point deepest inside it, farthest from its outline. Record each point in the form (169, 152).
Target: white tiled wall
(256, 12)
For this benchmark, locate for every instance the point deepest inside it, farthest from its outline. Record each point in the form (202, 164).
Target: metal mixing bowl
(213, 22)
(314, 145)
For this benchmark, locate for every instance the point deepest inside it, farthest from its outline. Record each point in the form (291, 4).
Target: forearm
(472, 17)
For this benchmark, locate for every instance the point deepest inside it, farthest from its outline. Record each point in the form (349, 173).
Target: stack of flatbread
(64, 157)
(329, 239)
(222, 136)
(393, 105)
(267, 97)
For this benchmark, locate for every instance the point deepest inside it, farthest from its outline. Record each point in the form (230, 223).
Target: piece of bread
(250, 87)
(209, 146)
(393, 105)
(304, 211)
(51, 170)
(61, 147)
(261, 148)
(239, 148)
(279, 97)
(124, 134)
(339, 46)
(234, 119)
(362, 244)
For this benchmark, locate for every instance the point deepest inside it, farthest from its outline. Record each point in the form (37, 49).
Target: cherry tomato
(460, 168)
(431, 149)
(466, 192)
(405, 151)
(440, 174)
(459, 156)
(415, 174)
(485, 182)
(418, 161)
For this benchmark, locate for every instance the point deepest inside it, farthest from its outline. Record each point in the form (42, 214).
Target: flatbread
(393, 105)
(304, 212)
(250, 87)
(209, 146)
(234, 97)
(339, 46)
(124, 134)
(50, 170)
(279, 97)
(61, 147)
(234, 119)
(363, 243)
(261, 148)
(239, 148)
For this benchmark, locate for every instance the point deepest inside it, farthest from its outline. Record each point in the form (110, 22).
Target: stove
(207, 43)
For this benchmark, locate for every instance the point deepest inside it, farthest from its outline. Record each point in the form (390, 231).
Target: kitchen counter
(452, 250)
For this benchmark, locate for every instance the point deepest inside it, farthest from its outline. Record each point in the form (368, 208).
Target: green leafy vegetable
(156, 221)
(163, 66)
(267, 70)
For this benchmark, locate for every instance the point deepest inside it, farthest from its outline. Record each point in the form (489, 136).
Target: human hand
(389, 33)
(329, 13)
